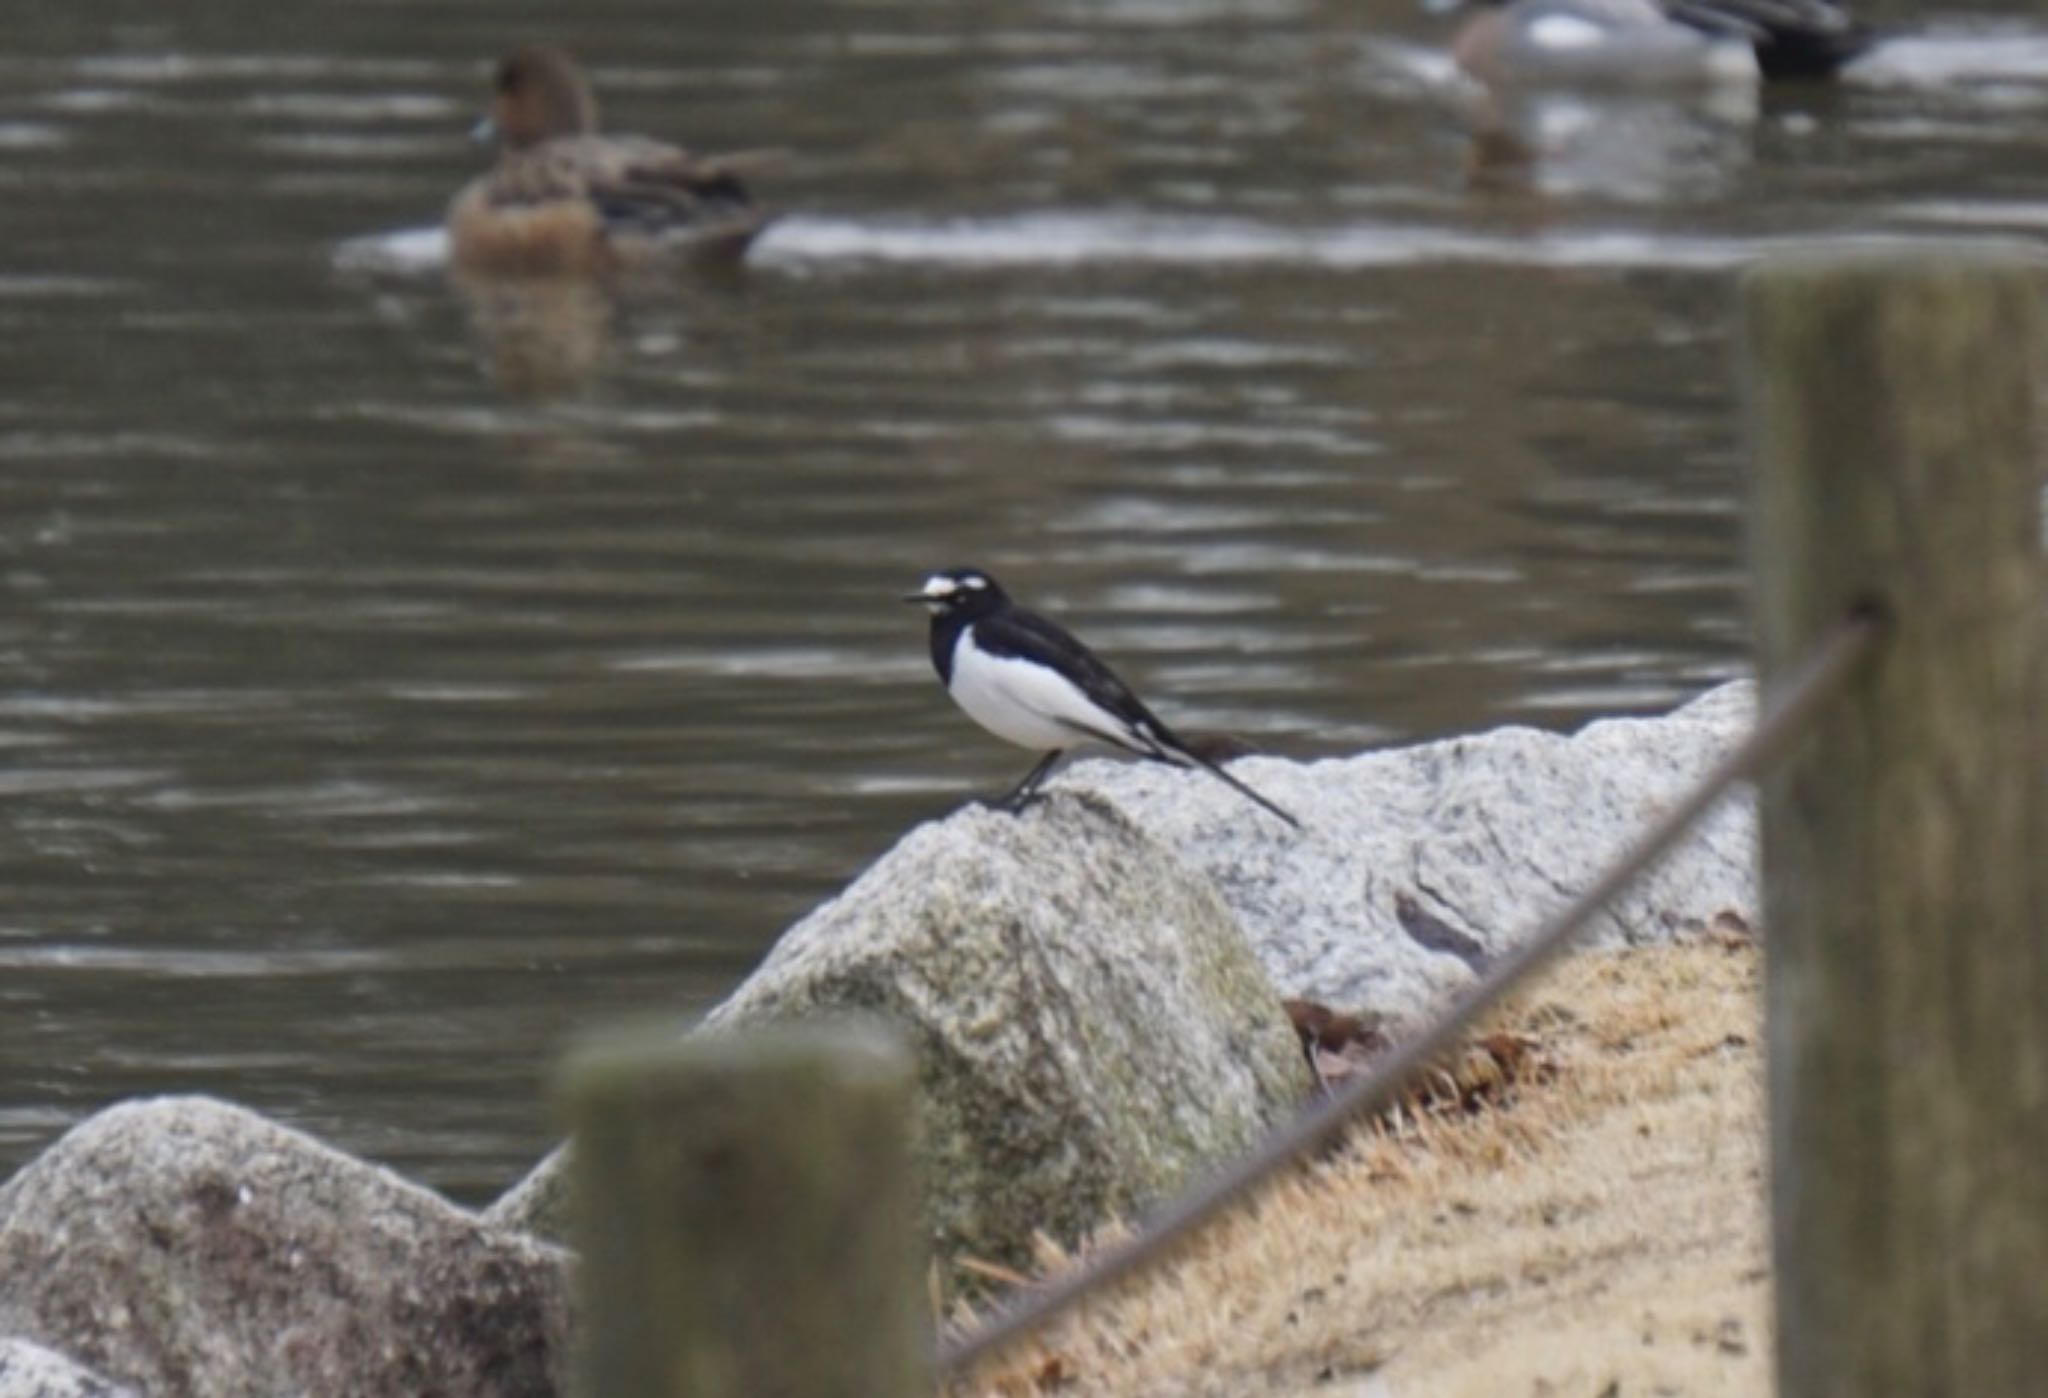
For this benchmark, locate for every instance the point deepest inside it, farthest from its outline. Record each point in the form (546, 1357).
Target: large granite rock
(1415, 867)
(30, 1371)
(1090, 1026)
(1418, 864)
(187, 1247)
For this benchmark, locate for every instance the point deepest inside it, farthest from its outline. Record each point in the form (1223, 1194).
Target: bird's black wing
(1014, 633)
(1793, 38)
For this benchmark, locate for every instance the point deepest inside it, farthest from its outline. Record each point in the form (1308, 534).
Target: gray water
(395, 677)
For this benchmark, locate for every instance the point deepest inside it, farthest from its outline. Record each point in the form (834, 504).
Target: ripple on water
(794, 663)
(401, 251)
(1071, 239)
(1954, 59)
(1056, 239)
(349, 108)
(377, 147)
(32, 286)
(78, 781)
(149, 69)
(1081, 239)
(31, 135)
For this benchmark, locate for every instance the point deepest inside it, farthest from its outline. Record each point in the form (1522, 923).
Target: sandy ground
(1599, 1234)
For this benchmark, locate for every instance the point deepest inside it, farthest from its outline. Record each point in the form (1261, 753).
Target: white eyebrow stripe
(1566, 32)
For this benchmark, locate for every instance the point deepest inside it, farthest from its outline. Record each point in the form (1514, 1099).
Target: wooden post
(1893, 402)
(748, 1216)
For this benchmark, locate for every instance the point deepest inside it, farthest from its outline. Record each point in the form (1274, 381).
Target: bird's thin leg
(1026, 791)
(1315, 1068)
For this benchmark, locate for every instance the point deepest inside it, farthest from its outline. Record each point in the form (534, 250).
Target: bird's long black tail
(1154, 741)
(1216, 771)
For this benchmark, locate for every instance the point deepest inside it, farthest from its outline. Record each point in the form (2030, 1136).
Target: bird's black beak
(915, 597)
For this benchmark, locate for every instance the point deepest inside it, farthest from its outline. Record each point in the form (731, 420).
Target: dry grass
(1601, 1234)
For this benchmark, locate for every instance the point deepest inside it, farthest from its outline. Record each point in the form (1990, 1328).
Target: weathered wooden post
(1894, 406)
(747, 1216)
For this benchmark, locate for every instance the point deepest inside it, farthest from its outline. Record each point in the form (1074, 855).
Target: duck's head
(537, 94)
(965, 592)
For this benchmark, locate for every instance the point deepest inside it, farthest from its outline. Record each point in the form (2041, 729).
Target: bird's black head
(960, 592)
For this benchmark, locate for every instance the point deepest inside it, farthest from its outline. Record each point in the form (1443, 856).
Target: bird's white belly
(1019, 701)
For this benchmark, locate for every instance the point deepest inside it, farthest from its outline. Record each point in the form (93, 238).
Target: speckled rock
(30, 1371)
(188, 1247)
(539, 1203)
(1417, 865)
(1091, 1028)
(1420, 863)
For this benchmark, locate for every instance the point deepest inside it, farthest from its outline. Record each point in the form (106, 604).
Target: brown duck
(564, 199)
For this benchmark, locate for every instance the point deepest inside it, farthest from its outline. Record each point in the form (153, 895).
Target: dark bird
(1027, 680)
(1793, 39)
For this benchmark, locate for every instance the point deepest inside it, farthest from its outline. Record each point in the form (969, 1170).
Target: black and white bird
(1027, 680)
(1644, 44)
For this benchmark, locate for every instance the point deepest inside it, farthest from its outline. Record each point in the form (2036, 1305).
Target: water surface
(397, 676)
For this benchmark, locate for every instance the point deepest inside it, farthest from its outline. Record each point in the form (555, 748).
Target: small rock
(188, 1247)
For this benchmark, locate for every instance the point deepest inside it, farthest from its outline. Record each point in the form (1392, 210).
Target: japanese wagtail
(1027, 680)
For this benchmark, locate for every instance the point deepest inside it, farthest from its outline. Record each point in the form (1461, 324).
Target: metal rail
(1804, 693)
